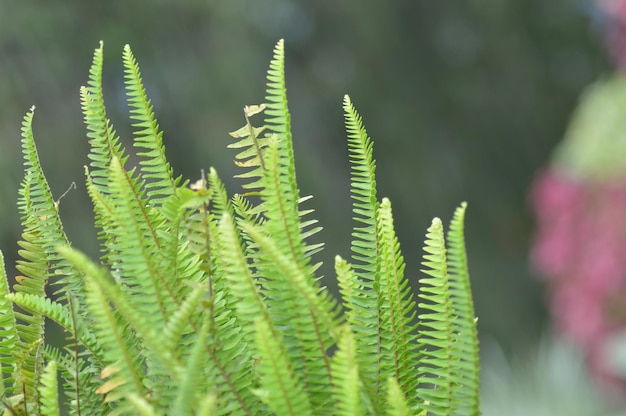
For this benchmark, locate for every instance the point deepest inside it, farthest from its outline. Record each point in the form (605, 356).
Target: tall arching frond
(42, 232)
(148, 138)
(466, 341)
(104, 142)
(364, 314)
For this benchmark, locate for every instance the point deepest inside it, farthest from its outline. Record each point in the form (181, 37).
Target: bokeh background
(465, 100)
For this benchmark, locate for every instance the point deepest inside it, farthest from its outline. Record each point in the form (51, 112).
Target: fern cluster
(204, 304)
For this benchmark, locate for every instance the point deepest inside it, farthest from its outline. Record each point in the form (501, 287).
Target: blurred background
(465, 101)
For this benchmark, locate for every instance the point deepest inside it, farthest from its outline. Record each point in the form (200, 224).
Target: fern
(48, 391)
(205, 304)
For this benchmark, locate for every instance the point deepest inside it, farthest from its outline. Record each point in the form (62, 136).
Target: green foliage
(201, 304)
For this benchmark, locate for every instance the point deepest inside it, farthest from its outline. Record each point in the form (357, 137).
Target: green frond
(148, 138)
(152, 340)
(321, 306)
(42, 231)
(251, 147)
(178, 323)
(309, 340)
(8, 335)
(58, 313)
(208, 405)
(136, 256)
(436, 373)
(397, 404)
(121, 355)
(281, 389)
(221, 203)
(278, 118)
(104, 142)
(48, 391)
(398, 305)
(81, 378)
(234, 290)
(346, 381)
(229, 370)
(141, 406)
(466, 342)
(365, 315)
(188, 392)
(243, 286)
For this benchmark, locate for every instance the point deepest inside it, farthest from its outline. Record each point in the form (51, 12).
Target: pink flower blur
(580, 248)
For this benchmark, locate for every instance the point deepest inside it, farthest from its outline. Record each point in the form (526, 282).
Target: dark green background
(464, 100)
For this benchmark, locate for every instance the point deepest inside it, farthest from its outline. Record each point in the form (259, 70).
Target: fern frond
(398, 306)
(281, 389)
(48, 391)
(104, 142)
(208, 405)
(81, 381)
(397, 404)
(365, 301)
(220, 201)
(250, 304)
(466, 342)
(60, 314)
(42, 232)
(188, 390)
(122, 357)
(152, 341)
(252, 147)
(141, 406)
(136, 255)
(154, 166)
(346, 381)
(436, 375)
(8, 335)
(307, 345)
(321, 305)
(278, 118)
(178, 323)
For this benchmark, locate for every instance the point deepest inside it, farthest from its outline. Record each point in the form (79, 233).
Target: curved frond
(136, 255)
(365, 315)
(148, 138)
(104, 142)
(60, 314)
(42, 232)
(466, 342)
